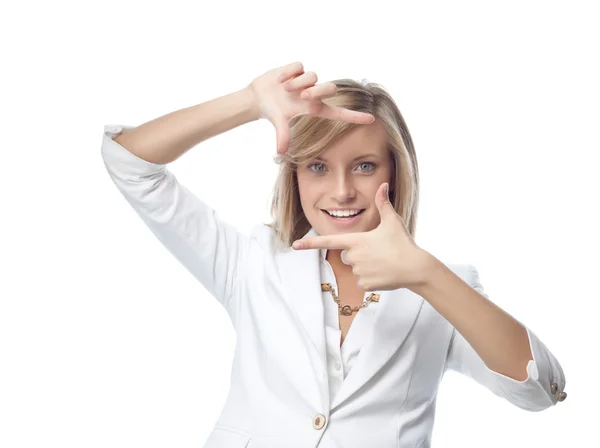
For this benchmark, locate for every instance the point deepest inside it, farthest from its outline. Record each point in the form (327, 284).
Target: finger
(319, 92)
(342, 114)
(301, 82)
(344, 257)
(287, 71)
(345, 241)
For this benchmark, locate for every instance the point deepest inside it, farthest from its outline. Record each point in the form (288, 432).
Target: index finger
(342, 114)
(345, 241)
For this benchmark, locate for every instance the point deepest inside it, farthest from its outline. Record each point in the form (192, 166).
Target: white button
(338, 366)
(319, 421)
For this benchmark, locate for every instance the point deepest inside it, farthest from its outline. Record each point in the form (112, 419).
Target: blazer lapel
(300, 273)
(394, 320)
(398, 311)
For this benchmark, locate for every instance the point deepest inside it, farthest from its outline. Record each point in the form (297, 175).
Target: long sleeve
(213, 251)
(545, 380)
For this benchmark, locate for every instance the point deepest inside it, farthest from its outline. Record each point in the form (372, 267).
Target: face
(347, 176)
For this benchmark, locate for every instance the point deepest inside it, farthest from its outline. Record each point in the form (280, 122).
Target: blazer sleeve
(213, 251)
(545, 378)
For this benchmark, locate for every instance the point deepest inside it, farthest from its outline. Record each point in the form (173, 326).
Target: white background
(104, 337)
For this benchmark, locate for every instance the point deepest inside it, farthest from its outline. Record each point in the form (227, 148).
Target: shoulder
(266, 237)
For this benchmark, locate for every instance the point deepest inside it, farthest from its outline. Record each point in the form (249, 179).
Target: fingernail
(372, 121)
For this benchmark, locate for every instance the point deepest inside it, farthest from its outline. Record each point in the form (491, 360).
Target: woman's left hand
(385, 258)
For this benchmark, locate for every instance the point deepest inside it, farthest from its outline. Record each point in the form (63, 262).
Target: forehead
(361, 140)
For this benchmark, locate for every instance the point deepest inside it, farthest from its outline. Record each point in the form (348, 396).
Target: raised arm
(164, 139)
(210, 249)
(136, 159)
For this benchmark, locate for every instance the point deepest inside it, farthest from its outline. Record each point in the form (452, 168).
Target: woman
(342, 340)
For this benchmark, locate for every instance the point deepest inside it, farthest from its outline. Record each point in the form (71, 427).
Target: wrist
(428, 266)
(251, 103)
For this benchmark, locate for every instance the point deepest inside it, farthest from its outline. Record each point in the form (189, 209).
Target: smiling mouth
(343, 217)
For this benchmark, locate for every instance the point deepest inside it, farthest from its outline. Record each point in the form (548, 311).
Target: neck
(334, 257)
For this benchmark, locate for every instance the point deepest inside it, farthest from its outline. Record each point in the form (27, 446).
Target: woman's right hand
(279, 96)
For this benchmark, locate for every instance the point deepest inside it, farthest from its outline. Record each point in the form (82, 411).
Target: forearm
(164, 139)
(499, 339)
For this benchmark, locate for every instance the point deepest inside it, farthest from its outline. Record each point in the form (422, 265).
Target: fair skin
(348, 177)
(342, 182)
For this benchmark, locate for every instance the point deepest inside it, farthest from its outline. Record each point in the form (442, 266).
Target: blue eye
(369, 163)
(373, 165)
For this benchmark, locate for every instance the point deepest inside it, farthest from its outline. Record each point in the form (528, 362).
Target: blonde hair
(310, 136)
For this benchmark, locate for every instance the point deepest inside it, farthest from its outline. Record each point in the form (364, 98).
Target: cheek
(305, 189)
(306, 194)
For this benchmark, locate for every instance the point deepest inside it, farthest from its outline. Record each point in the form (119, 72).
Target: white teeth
(343, 212)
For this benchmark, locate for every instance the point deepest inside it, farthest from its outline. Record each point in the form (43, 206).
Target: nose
(343, 189)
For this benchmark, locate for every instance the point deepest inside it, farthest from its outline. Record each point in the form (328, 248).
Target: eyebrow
(321, 159)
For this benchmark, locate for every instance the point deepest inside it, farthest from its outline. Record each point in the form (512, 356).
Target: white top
(341, 359)
(287, 341)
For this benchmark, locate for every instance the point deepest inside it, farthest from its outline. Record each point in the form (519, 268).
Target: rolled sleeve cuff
(122, 160)
(536, 392)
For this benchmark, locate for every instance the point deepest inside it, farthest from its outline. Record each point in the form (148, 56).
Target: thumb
(382, 201)
(282, 131)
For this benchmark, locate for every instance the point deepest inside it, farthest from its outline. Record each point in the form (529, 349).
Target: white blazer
(279, 389)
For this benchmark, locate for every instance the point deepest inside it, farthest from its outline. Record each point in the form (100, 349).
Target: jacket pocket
(224, 437)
